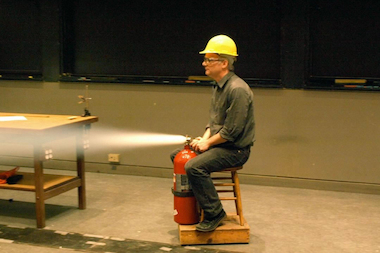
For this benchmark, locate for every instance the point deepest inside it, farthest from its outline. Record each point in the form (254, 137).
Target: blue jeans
(198, 171)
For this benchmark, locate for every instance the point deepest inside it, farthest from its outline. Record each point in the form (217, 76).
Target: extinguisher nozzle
(188, 140)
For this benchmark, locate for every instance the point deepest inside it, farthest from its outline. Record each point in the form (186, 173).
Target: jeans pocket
(242, 156)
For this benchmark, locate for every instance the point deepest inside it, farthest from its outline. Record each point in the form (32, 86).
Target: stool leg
(239, 206)
(202, 215)
(234, 189)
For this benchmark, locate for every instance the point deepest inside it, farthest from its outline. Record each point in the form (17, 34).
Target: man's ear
(225, 64)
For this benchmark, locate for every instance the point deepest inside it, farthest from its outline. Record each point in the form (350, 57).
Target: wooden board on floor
(229, 232)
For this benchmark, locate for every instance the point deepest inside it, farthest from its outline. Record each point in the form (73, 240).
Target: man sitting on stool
(229, 133)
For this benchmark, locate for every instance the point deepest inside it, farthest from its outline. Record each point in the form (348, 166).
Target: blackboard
(149, 40)
(163, 38)
(20, 43)
(345, 38)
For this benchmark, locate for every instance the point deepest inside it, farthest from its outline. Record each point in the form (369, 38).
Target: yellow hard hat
(221, 44)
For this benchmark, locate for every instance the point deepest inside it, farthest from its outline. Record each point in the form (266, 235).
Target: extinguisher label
(182, 182)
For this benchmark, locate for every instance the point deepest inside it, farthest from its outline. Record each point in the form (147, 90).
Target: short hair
(231, 59)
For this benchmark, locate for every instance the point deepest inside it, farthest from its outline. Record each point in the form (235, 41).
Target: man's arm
(207, 134)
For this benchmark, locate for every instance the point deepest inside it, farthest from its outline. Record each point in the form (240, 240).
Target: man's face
(213, 65)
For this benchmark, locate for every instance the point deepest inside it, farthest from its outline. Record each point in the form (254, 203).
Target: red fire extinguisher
(185, 205)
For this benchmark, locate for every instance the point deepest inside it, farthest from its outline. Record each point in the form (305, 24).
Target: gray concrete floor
(141, 208)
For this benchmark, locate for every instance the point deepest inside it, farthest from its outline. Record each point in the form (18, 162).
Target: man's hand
(200, 144)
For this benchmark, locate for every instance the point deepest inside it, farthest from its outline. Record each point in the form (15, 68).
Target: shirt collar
(224, 80)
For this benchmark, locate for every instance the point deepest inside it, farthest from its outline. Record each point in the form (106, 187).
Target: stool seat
(233, 168)
(235, 184)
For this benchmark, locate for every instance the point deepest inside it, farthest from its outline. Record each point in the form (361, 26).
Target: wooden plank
(229, 232)
(63, 187)
(41, 126)
(27, 183)
(40, 122)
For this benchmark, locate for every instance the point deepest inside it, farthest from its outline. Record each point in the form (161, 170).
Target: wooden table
(37, 130)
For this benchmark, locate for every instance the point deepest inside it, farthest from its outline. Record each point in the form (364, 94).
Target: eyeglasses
(209, 60)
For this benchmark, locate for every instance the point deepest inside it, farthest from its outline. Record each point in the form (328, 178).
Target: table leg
(39, 185)
(81, 171)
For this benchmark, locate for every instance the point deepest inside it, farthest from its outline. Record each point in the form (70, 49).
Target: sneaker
(211, 225)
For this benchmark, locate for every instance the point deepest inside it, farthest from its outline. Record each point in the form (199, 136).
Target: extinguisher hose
(182, 193)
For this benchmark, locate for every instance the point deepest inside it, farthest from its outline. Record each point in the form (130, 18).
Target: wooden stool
(234, 182)
(234, 229)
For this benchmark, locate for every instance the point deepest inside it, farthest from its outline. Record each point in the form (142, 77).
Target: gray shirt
(231, 112)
